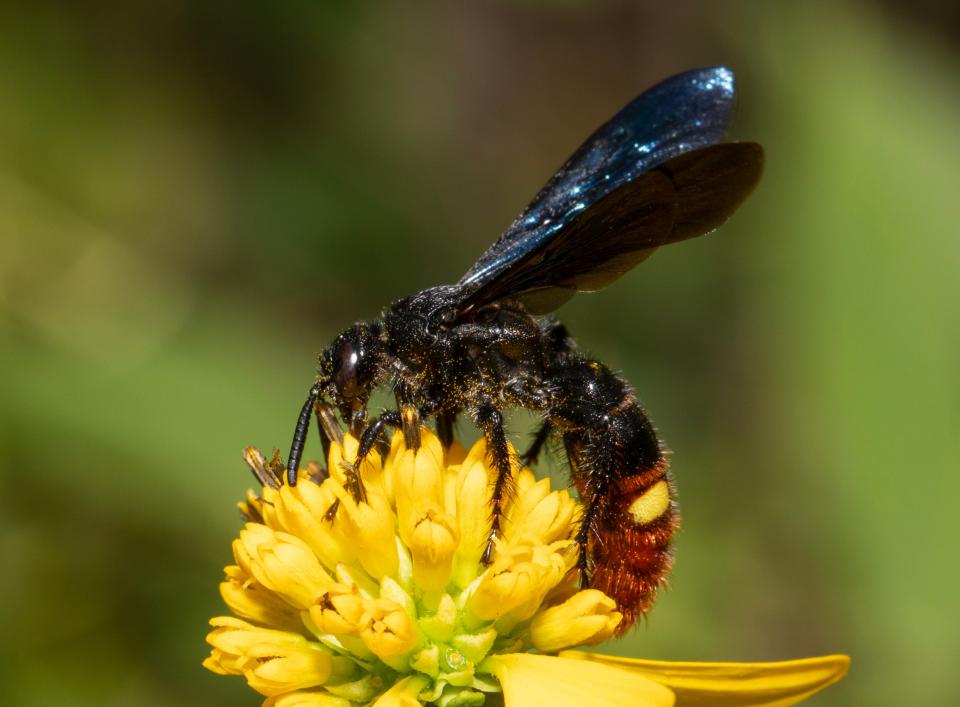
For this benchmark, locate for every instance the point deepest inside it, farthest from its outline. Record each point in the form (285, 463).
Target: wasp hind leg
(536, 446)
(445, 423)
(594, 497)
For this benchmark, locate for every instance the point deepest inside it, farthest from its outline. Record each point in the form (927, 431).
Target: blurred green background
(195, 197)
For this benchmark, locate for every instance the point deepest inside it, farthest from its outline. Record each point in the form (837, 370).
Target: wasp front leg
(368, 439)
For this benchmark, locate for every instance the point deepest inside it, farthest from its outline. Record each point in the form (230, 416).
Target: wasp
(658, 172)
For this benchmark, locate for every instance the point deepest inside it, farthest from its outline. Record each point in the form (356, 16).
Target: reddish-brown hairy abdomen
(631, 560)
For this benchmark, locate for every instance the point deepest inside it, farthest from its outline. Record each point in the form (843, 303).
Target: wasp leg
(533, 452)
(491, 422)
(445, 423)
(368, 440)
(300, 435)
(596, 489)
(410, 424)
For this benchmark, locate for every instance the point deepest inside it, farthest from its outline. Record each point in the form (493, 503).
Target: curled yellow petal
(418, 483)
(372, 525)
(588, 617)
(338, 610)
(289, 567)
(530, 679)
(472, 491)
(776, 684)
(245, 547)
(273, 662)
(514, 586)
(387, 629)
(251, 600)
(432, 544)
(540, 514)
(301, 510)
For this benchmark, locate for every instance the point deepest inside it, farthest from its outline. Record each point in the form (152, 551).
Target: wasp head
(351, 365)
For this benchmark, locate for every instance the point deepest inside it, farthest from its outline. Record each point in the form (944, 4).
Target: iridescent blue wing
(641, 180)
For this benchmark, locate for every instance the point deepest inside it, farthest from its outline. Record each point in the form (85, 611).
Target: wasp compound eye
(348, 360)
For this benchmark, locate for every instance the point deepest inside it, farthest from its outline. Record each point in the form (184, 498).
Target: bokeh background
(195, 197)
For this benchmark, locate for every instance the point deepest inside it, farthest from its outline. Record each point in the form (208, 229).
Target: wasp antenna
(300, 434)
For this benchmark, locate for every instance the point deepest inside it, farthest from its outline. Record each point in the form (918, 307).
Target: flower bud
(338, 610)
(372, 526)
(301, 510)
(472, 493)
(284, 564)
(418, 483)
(540, 515)
(432, 544)
(273, 662)
(251, 600)
(387, 629)
(586, 618)
(516, 583)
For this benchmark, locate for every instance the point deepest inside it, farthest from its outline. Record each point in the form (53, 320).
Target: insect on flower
(656, 173)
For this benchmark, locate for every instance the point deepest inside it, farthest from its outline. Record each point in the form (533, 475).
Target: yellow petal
(517, 582)
(454, 454)
(403, 693)
(372, 526)
(289, 567)
(397, 447)
(432, 544)
(530, 679)
(539, 514)
(588, 617)
(245, 547)
(472, 493)
(338, 610)
(273, 662)
(251, 600)
(301, 510)
(235, 637)
(387, 629)
(274, 675)
(306, 699)
(418, 483)
(733, 684)
(370, 469)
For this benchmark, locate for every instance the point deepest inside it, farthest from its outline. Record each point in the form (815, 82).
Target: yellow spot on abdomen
(652, 504)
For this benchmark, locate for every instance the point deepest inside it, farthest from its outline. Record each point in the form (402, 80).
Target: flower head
(386, 602)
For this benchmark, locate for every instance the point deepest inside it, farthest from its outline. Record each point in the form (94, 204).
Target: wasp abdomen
(620, 470)
(630, 549)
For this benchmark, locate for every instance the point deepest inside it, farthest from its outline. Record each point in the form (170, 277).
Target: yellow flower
(385, 602)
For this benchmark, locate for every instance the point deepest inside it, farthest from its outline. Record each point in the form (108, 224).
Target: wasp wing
(618, 197)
